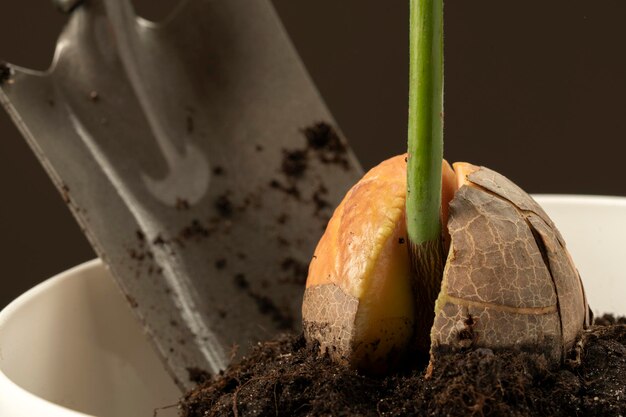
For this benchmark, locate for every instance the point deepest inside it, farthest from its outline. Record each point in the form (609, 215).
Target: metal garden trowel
(199, 160)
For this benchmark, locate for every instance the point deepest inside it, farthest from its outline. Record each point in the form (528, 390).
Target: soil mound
(285, 377)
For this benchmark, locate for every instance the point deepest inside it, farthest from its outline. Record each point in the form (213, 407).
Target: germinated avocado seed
(508, 279)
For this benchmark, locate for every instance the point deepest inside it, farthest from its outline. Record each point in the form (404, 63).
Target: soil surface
(285, 377)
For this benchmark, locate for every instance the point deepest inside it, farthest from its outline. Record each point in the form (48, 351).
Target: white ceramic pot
(70, 346)
(72, 343)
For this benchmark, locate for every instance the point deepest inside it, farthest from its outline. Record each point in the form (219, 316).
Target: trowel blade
(200, 161)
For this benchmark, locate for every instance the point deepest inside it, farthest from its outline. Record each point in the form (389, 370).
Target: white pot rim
(7, 386)
(582, 199)
(40, 288)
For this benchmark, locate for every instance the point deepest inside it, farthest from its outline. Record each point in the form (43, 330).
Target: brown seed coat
(509, 279)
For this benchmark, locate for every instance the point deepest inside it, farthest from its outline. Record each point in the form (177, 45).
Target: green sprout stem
(425, 150)
(425, 137)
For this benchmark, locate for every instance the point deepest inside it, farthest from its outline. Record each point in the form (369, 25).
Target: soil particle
(323, 143)
(294, 163)
(94, 96)
(224, 206)
(323, 138)
(285, 377)
(320, 202)
(139, 255)
(65, 193)
(67, 199)
(195, 230)
(241, 281)
(321, 135)
(220, 263)
(218, 170)
(289, 190)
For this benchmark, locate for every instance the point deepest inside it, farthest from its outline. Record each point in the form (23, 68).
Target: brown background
(534, 89)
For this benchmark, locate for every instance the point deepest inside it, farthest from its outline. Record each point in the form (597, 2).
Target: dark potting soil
(285, 377)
